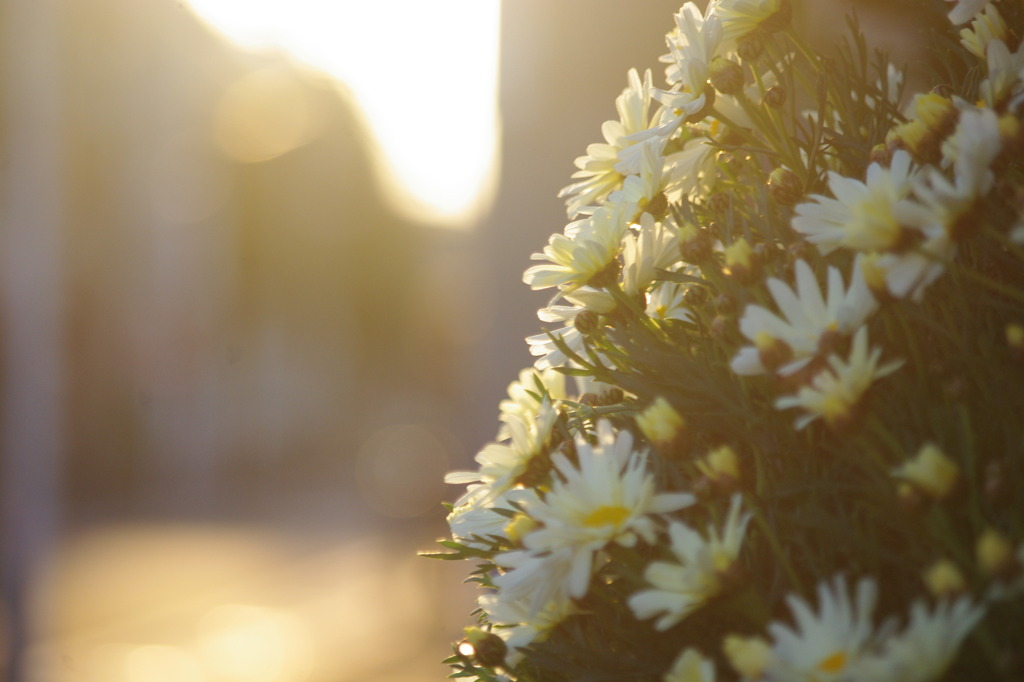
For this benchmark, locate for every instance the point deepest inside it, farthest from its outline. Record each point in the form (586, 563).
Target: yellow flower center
(606, 515)
(834, 408)
(833, 663)
(873, 226)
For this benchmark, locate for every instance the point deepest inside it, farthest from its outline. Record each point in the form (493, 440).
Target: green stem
(777, 549)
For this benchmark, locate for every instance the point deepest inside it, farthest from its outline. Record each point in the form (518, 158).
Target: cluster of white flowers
(572, 481)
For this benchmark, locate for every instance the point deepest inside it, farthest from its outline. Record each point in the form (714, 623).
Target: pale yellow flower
(749, 656)
(660, 422)
(835, 392)
(931, 471)
(944, 579)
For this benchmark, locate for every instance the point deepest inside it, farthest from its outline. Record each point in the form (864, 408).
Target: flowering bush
(791, 298)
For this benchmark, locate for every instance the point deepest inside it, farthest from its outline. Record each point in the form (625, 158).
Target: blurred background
(260, 287)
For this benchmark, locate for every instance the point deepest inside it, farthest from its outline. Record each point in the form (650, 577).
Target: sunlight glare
(425, 75)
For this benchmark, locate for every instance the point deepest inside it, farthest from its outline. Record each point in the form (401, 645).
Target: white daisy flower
(1005, 74)
(835, 391)
(651, 248)
(536, 580)
(865, 216)
(825, 645)
(501, 464)
(925, 648)
(600, 170)
(965, 10)
(639, 189)
(970, 150)
(942, 202)
(986, 27)
(524, 394)
(543, 346)
(517, 625)
(807, 318)
(689, 170)
(740, 17)
(679, 588)
(474, 519)
(609, 497)
(666, 301)
(584, 251)
(908, 274)
(692, 46)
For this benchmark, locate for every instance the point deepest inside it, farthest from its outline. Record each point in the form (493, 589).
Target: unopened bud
(485, 647)
(721, 466)
(784, 186)
(720, 327)
(694, 244)
(944, 579)
(749, 656)
(937, 113)
(740, 261)
(726, 75)
(586, 322)
(751, 46)
(774, 97)
(663, 426)
(719, 202)
(917, 138)
(995, 555)
(1015, 337)
(880, 154)
(931, 471)
(519, 527)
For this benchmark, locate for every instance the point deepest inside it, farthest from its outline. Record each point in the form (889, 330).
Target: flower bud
(784, 186)
(880, 154)
(719, 202)
(750, 46)
(931, 471)
(1015, 338)
(694, 244)
(917, 138)
(726, 75)
(937, 113)
(749, 656)
(774, 97)
(995, 555)
(586, 322)
(721, 466)
(486, 647)
(662, 425)
(944, 579)
(519, 527)
(740, 261)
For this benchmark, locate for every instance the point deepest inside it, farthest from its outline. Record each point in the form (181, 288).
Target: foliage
(792, 299)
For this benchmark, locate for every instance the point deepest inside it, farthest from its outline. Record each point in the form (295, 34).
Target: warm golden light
(243, 643)
(424, 74)
(159, 663)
